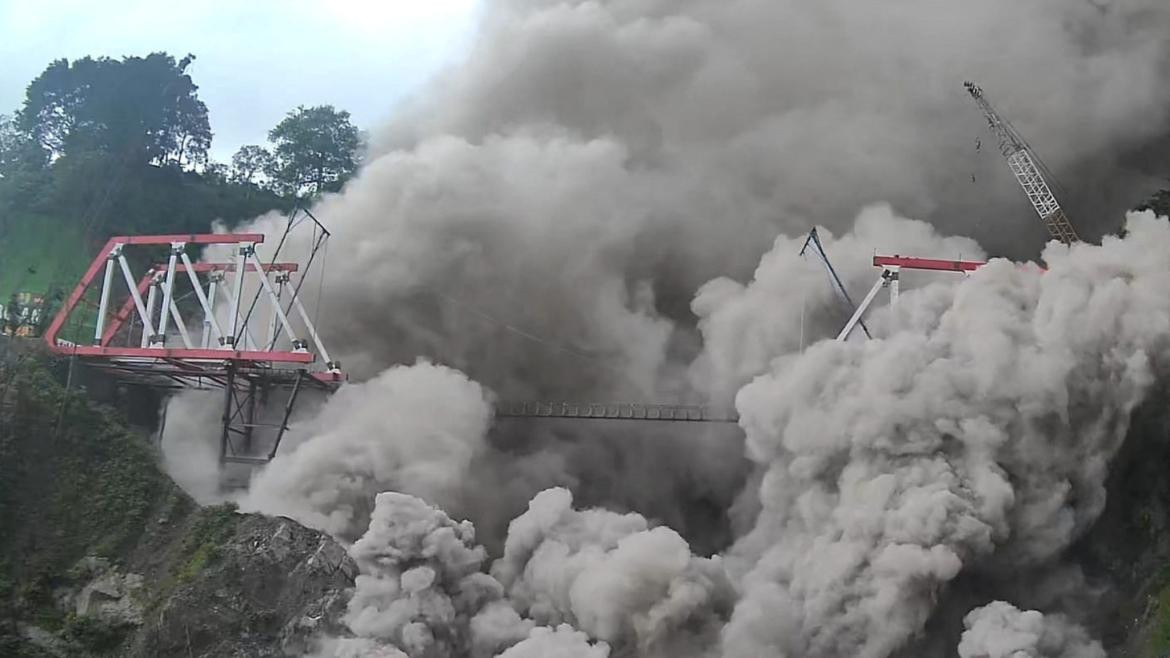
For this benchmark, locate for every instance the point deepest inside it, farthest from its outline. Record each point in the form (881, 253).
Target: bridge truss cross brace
(242, 392)
(246, 341)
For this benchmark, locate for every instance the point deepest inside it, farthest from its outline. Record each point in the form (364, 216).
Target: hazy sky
(255, 60)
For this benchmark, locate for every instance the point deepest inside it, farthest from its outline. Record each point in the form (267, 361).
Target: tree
(140, 109)
(314, 151)
(24, 175)
(18, 151)
(249, 161)
(216, 173)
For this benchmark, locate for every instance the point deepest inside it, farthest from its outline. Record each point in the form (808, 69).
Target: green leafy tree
(249, 162)
(216, 173)
(314, 151)
(19, 152)
(140, 109)
(24, 176)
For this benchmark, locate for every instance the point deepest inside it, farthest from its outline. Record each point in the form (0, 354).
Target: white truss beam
(1025, 167)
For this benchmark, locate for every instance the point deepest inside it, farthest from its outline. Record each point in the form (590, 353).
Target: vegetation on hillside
(82, 497)
(74, 481)
(104, 146)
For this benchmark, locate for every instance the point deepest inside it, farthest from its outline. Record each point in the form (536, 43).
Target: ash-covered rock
(264, 591)
(104, 593)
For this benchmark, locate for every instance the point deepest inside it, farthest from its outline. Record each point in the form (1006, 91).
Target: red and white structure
(892, 267)
(237, 325)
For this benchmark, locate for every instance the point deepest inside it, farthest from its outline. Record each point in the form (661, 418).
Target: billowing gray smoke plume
(974, 433)
(612, 576)
(421, 588)
(422, 429)
(1000, 630)
(589, 207)
(977, 433)
(593, 163)
(789, 299)
(414, 429)
(421, 592)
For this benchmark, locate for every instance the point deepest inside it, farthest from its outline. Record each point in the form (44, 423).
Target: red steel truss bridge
(148, 314)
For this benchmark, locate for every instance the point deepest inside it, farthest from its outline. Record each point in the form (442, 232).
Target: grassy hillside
(39, 252)
(52, 227)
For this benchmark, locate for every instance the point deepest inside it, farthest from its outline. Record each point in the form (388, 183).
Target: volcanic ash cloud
(413, 429)
(1001, 630)
(977, 431)
(612, 576)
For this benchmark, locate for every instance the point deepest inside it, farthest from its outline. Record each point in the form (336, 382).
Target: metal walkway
(616, 411)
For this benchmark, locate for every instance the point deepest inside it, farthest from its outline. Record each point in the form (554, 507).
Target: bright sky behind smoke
(255, 60)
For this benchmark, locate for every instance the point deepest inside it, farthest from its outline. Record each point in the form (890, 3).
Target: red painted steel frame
(231, 267)
(194, 238)
(182, 353)
(104, 350)
(911, 263)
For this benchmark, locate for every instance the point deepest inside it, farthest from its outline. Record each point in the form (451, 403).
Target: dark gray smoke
(975, 433)
(593, 163)
(605, 202)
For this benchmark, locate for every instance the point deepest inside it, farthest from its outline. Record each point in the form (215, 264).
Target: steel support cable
(815, 240)
(276, 254)
(324, 243)
(803, 302)
(65, 394)
(320, 283)
(319, 243)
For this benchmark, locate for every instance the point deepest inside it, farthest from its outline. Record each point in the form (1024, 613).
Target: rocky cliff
(102, 555)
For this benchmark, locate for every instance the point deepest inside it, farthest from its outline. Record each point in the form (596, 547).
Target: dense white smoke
(189, 443)
(421, 592)
(977, 432)
(561, 642)
(790, 299)
(1000, 630)
(974, 431)
(415, 429)
(612, 576)
(585, 208)
(421, 583)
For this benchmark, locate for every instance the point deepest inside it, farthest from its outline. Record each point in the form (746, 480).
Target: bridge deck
(616, 411)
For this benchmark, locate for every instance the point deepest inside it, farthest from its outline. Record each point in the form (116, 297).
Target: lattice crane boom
(1024, 165)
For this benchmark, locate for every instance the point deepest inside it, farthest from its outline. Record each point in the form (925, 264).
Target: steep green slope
(102, 555)
(1127, 551)
(39, 252)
